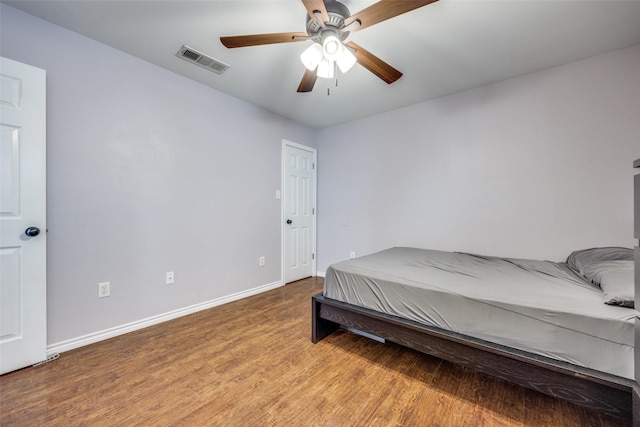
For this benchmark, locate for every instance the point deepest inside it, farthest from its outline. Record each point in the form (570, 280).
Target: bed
(565, 329)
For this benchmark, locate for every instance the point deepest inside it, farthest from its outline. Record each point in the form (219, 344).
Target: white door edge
(23, 338)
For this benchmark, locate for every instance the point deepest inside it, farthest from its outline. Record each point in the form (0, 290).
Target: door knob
(289, 221)
(32, 231)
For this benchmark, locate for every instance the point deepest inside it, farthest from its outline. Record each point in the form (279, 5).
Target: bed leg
(636, 405)
(320, 328)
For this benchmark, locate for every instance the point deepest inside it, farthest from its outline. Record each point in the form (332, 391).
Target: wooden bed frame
(597, 390)
(636, 235)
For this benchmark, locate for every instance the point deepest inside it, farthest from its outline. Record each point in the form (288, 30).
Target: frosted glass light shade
(312, 56)
(346, 60)
(325, 69)
(332, 48)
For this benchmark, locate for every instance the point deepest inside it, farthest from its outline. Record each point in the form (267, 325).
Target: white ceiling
(443, 48)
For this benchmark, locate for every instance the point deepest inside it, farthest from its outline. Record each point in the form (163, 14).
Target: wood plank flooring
(252, 363)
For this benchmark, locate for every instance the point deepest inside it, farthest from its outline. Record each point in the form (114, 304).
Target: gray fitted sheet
(538, 306)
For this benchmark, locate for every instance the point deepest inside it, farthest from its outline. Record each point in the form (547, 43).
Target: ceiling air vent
(199, 58)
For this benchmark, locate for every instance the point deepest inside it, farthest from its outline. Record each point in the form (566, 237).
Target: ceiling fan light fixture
(311, 56)
(325, 69)
(346, 60)
(328, 25)
(332, 48)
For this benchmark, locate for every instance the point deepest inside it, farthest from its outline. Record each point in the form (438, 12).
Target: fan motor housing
(337, 12)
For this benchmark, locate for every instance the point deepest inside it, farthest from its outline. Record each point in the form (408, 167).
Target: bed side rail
(587, 387)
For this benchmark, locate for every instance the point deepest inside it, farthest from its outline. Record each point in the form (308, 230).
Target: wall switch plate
(169, 278)
(278, 195)
(104, 289)
(261, 261)
(352, 254)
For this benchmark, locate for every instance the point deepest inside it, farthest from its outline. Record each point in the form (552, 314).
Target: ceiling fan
(329, 23)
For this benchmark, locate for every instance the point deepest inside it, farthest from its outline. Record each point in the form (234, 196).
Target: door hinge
(313, 211)
(313, 256)
(313, 166)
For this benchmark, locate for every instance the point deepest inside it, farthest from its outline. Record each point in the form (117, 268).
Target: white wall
(535, 166)
(148, 172)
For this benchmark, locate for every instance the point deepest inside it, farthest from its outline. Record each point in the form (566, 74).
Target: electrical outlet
(261, 261)
(352, 254)
(104, 289)
(169, 278)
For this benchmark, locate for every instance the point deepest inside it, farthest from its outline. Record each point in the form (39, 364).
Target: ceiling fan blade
(308, 80)
(383, 10)
(374, 64)
(316, 6)
(261, 39)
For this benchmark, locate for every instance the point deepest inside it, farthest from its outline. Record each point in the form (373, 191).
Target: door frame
(283, 200)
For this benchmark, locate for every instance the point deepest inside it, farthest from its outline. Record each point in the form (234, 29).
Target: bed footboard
(597, 390)
(320, 328)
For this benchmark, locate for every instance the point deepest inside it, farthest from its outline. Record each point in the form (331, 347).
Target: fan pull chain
(335, 73)
(328, 90)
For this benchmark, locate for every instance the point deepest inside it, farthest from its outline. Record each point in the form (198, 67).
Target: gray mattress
(538, 306)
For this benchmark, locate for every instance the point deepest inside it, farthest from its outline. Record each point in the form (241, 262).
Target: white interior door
(299, 200)
(23, 291)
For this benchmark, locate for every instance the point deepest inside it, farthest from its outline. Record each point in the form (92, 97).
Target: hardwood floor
(251, 363)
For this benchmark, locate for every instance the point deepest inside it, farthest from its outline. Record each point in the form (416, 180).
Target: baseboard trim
(73, 343)
(320, 273)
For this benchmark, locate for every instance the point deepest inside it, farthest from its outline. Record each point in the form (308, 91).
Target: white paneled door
(299, 179)
(23, 290)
